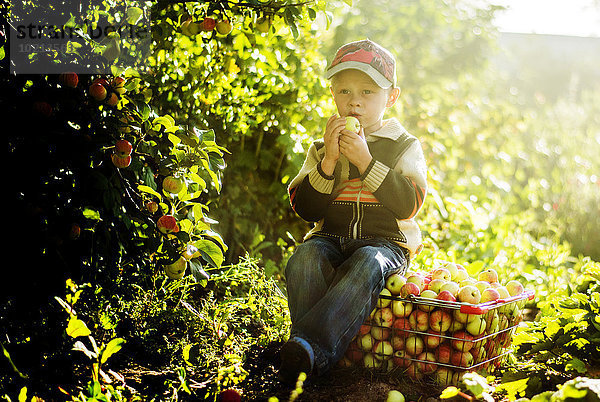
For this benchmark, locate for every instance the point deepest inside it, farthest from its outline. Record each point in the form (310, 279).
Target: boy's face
(356, 94)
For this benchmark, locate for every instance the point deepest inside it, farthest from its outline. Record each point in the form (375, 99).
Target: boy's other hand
(354, 147)
(333, 130)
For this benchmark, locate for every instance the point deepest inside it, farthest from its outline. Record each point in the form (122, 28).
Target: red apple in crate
(489, 295)
(461, 359)
(380, 333)
(478, 352)
(469, 294)
(489, 275)
(443, 353)
(364, 329)
(401, 308)
(445, 295)
(409, 288)
(398, 342)
(440, 320)
(354, 355)
(441, 273)
(413, 372)
(414, 345)
(401, 358)
(419, 320)
(432, 340)
(417, 279)
(401, 326)
(462, 341)
(383, 317)
(426, 365)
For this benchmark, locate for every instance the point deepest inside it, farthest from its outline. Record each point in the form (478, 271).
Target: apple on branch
(69, 79)
(176, 270)
(167, 224)
(172, 184)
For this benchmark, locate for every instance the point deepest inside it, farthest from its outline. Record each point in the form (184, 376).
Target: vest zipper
(358, 214)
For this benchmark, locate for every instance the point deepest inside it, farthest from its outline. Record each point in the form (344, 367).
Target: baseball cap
(368, 57)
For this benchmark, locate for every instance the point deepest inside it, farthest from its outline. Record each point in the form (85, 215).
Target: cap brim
(365, 68)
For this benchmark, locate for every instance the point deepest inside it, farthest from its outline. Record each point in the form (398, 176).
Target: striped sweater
(382, 202)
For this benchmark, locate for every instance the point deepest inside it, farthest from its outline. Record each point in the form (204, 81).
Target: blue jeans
(333, 285)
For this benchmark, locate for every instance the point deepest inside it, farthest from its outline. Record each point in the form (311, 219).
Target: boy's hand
(354, 147)
(333, 130)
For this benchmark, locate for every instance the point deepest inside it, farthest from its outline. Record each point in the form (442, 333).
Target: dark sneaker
(296, 357)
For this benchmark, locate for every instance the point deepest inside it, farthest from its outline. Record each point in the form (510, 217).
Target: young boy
(362, 189)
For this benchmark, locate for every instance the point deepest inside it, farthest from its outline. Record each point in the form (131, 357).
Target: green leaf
(210, 252)
(111, 348)
(514, 388)
(576, 365)
(76, 328)
(197, 271)
(134, 14)
(449, 392)
(149, 190)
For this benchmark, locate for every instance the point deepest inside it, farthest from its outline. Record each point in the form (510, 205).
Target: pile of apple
(423, 326)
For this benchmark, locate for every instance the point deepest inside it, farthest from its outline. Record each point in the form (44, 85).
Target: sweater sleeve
(402, 188)
(310, 191)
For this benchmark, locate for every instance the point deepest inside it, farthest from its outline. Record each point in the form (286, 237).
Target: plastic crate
(430, 339)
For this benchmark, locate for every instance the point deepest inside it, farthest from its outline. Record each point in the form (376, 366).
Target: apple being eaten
(352, 124)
